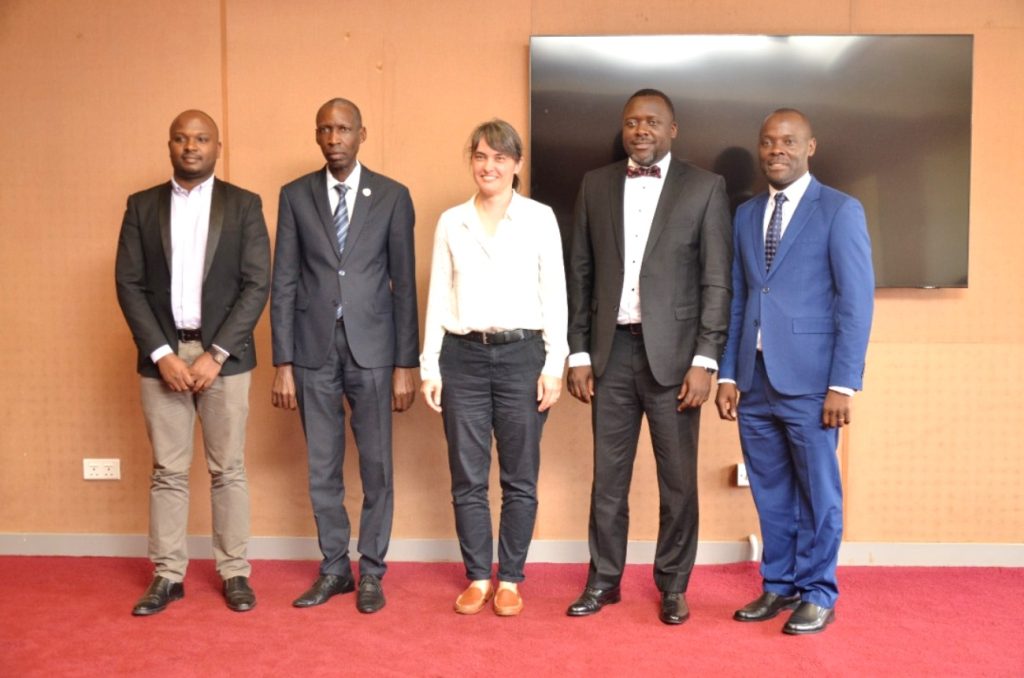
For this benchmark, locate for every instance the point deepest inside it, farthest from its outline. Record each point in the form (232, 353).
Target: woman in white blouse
(493, 354)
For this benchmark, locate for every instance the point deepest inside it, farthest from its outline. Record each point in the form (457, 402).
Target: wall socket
(101, 469)
(741, 476)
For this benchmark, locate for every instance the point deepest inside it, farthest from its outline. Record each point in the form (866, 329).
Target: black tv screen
(891, 115)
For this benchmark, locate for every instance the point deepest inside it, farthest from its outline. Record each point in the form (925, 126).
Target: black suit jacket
(685, 282)
(235, 280)
(374, 280)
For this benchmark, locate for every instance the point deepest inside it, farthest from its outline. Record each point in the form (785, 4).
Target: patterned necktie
(771, 240)
(341, 217)
(634, 171)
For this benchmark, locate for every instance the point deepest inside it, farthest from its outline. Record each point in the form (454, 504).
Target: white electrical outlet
(101, 469)
(741, 476)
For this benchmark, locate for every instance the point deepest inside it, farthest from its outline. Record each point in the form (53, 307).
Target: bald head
(339, 102)
(194, 144)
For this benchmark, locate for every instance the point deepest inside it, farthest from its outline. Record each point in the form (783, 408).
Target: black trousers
(368, 392)
(485, 389)
(623, 395)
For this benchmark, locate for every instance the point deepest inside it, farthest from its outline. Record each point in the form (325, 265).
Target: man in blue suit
(803, 293)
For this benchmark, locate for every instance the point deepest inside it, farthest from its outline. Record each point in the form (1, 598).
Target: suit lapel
(756, 231)
(671, 190)
(616, 193)
(216, 224)
(163, 210)
(357, 220)
(318, 194)
(797, 223)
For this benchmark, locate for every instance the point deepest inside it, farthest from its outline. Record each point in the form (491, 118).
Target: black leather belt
(506, 337)
(190, 335)
(636, 329)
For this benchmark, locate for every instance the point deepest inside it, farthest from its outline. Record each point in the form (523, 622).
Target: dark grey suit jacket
(374, 280)
(236, 279)
(685, 282)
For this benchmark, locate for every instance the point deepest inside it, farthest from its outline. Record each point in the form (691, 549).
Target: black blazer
(236, 279)
(374, 280)
(685, 282)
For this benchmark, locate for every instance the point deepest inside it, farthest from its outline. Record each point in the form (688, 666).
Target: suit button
(764, 290)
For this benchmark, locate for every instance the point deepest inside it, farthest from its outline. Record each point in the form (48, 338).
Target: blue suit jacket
(814, 308)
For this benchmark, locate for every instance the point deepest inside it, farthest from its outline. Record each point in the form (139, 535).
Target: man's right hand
(282, 394)
(581, 383)
(727, 400)
(431, 390)
(175, 373)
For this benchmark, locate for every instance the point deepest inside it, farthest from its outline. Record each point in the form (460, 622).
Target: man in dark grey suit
(345, 326)
(193, 272)
(649, 291)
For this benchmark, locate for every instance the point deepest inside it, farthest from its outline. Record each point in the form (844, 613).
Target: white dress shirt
(190, 226)
(352, 181)
(513, 279)
(639, 202)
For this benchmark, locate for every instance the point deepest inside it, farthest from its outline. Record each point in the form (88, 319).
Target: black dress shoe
(161, 592)
(592, 600)
(239, 595)
(767, 606)
(371, 596)
(325, 586)
(809, 618)
(674, 609)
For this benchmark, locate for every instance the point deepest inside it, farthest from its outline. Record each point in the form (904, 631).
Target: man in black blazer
(649, 291)
(193, 273)
(345, 327)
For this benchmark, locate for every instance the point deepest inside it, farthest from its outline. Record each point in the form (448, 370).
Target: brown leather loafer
(507, 603)
(472, 600)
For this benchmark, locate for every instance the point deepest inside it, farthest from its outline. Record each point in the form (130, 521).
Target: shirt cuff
(704, 361)
(727, 381)
(156, 355)
(227, 354)
(579, 360)
(842, 389)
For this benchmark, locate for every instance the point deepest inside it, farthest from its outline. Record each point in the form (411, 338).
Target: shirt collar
(663, 164)
(200, 188)
(795, 191)
(352, 180)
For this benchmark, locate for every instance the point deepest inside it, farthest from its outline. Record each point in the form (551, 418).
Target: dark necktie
(771, 240)
(634, 171)
(341, 217)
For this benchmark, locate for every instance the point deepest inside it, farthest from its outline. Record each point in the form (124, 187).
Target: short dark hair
(791, 111)
(651, 92)
(338, 101)
(500, 136)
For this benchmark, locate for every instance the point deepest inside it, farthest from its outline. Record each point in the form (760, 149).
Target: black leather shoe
(161, 592)
(809, 618)
(674, 609)
(239, 595)
(592, 600)
(767, 606)
(371, 596)
(325, 586)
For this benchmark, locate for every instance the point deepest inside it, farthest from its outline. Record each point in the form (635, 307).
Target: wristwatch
(219, 357)
(711, 370)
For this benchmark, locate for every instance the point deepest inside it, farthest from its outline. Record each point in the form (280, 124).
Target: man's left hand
(204, 370)
(695, 389)
(836, 412)
(403, 388)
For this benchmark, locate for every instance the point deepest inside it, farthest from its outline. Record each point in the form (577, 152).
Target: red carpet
(71, 617)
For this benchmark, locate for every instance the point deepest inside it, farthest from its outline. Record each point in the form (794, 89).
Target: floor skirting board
(541, 551)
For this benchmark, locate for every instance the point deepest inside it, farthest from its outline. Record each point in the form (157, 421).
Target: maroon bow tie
(634, 171)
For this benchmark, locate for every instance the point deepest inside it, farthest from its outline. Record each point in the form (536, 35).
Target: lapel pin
(367, 192)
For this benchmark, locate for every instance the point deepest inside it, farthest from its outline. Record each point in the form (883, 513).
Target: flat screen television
(891, 114)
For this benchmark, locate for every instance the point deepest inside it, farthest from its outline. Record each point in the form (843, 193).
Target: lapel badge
(367, 192)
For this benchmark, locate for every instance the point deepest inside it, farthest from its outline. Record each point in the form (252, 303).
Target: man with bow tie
(649, 293)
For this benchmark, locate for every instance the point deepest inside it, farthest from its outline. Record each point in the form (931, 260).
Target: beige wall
(89, 89)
